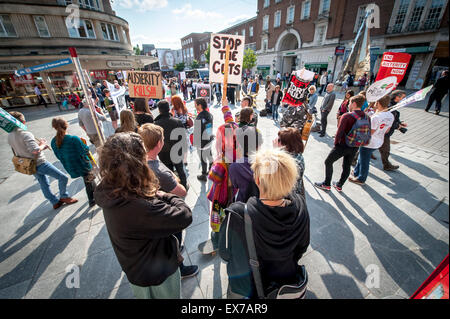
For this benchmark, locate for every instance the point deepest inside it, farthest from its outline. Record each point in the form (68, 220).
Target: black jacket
(169, 123)
(442, 85)
(141, 232)
(279, 99)
(203, 122)
(281, 238)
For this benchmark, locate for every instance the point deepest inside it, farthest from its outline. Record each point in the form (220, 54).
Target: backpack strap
(253, 258)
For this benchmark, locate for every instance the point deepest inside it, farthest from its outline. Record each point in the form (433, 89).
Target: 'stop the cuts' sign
(217, 58)
(142, 84)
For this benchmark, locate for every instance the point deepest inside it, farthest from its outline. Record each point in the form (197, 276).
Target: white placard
(381, 88)
(217, 58)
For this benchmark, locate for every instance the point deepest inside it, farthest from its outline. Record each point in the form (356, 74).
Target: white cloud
(237, 19)
(171, 43)
(188, 11)
(141, 5)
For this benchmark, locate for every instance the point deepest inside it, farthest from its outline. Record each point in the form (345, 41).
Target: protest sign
(381, 88)
(144, 84)
(182, 76)
(8, 122)
(393, 64)
(217, 58)
(297, 91)
(100, 74)
(204, 91)
(415, 97)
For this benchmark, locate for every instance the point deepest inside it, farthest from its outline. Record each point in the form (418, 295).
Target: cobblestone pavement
(396, 225)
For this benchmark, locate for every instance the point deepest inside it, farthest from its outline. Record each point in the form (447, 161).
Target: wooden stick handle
(226, 71)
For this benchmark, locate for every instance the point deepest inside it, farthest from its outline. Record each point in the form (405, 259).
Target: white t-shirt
(380, 122)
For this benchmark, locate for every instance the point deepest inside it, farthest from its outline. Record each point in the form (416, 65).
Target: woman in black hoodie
(280, 227)
(141, 220)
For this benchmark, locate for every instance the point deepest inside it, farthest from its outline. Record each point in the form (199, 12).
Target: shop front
(317, 67)
(264, 70)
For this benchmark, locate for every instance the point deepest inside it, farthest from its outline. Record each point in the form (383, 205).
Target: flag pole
(226, 71)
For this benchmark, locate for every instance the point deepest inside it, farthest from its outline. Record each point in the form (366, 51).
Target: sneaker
(356, 181)
(337, 186)
(68, 200)
(322, 135)
(322, 186)
(188, 271)
(58, 205)
(391, 168)
(437, 112)
(202, 178)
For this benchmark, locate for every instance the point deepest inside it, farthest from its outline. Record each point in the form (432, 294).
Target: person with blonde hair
(141, 220)
(74, 156)
(127, 122)
(280, 226)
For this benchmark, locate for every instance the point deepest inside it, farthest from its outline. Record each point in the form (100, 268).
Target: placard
(145, 84)
(381, 88)
(297, 91)
(204, 91)
(393, 64)
(8, 122)
(217, 58)
(100, 74)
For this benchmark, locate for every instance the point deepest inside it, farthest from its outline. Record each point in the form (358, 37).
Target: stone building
(36, 32)
(193, 47)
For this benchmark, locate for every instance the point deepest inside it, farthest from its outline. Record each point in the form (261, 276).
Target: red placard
(100, 74)
(393, 64)
(297, 92)
(436, 286)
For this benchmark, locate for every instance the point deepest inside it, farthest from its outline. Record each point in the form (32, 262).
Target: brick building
(193, 47)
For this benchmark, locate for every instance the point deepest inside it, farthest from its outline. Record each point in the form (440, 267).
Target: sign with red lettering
(100, 74)
(393, 64)
(297, 92)
(204, 91)
(144, 84)
(217, 58)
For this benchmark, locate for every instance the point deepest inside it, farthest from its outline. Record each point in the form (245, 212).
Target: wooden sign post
(225, 74)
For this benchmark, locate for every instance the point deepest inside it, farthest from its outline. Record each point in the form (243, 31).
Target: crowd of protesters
(143, 179)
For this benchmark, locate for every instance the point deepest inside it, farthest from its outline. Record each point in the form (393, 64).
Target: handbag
(24, 165)
(296, 290)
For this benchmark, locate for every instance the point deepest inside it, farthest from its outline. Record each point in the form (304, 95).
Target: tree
(195, 64)
(249, 59)
(180, 67)
(208, 53)
(137, 50)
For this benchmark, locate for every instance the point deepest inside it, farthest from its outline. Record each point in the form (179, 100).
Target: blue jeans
(275, 112)
(41, 175)
(362, 167)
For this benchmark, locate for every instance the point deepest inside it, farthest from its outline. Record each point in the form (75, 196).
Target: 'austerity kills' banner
(144, 84)
(393, 64)
(298, 87)
(217, 58)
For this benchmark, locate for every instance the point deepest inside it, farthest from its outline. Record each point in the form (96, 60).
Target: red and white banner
(393, 64)
(100, 74)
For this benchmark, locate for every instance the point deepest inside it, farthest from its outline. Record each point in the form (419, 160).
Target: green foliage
(249, 59)
(180, 67)
(137, 50)
(208, 53)
(195, 64)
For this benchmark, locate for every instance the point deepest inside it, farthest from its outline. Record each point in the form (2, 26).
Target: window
(360, 18)
(320, 34)
(237, 33)
(266, 23)
(434, 15)
(243, 32)
(88, 4)
(41, 26)
(401, 15)
(124, 34)
(265, 44)
(86, 30)
(266, 3)
(192, 52)
(251, 32)
(324, 6)
(416, 15)
(277, 21)
(306, 9)
(6, 27)
(277, 1)
(290, 14)
(109, 32)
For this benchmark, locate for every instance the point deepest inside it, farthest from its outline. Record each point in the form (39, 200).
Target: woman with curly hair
(140, 219)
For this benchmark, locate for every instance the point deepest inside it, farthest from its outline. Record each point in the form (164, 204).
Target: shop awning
(263, 67)
(411, 50)
(316, 65)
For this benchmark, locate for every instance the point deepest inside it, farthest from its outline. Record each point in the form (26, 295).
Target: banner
(415, 97)
(100, 74)
(380, 89)
(182, 76)
(297, 92)
(167, 60)
(217, 58)
(204, 91)
(45, 66)
(8, 122)
(393, 64)
(144, 84)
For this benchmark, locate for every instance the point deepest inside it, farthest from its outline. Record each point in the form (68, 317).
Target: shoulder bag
(295, 290)
(24, 165)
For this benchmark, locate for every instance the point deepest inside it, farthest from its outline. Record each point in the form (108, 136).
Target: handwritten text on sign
(218, 54)
(142, 84)
(297, 92)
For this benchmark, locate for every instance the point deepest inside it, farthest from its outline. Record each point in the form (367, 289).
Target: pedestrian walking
(327, 106)
(140, 219)
(74, 155)
(275, 102)
(323, 83)
(39, 96)
(440, 88)
(25, 145)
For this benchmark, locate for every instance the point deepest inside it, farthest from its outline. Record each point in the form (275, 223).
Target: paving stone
(196, 235)
(53, 287)
(98, 240)
(122, 292)
(212, 278)
(16, 291)
(199, 215)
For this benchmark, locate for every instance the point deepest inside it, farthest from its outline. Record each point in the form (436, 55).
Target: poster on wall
(204, 91)
(145, 84)
(217, 58)
(393, 64)
(297, 92)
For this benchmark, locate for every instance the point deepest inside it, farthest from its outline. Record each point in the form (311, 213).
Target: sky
(165, 22)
